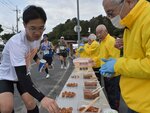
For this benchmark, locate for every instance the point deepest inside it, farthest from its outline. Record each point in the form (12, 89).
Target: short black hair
(32, 12)
(45, 35)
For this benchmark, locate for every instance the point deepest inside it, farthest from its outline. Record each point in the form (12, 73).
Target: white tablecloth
(79, 98)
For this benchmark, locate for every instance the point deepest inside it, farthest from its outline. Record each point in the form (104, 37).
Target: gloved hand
(81, 49)
(67, 49)
(81, 44)
(108, 75)
(107, 69)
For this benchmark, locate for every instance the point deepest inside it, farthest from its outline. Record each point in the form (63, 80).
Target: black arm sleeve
(36, 57)
(27, 84)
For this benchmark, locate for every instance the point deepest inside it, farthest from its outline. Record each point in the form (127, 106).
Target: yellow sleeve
(91, 49)
(112, 51)
(137, 67)
(76, 52)
(86, 49)
(97, 61)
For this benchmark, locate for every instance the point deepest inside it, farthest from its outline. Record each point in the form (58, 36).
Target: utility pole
(13, 30)
(78, 23)
(17, 18)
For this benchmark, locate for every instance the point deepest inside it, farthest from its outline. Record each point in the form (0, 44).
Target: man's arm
(26, 83)
(36, 59)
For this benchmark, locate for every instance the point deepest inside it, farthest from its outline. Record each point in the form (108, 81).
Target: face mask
(116, 20)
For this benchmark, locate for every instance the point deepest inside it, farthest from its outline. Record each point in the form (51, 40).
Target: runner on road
(47, 49)
(63, 52)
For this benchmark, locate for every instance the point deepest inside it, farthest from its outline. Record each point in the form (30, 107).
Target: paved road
(51, 86)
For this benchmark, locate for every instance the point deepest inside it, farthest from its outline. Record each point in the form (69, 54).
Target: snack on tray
(90, 109)
(83, 64)
(66, 110)
(75, 76)
(89, 95)
(72, 84)
(83, 68)
(68, 94)
(87, 76)
(90, 83)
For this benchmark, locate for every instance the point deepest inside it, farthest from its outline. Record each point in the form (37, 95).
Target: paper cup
(41, 65)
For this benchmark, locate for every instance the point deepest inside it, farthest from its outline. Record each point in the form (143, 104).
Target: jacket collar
(129, 20)
(108, 35)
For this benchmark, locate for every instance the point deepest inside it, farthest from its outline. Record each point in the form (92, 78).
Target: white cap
(61, 37)
(92, 37)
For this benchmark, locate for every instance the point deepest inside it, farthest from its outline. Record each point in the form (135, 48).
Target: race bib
(62, 48)
(46, 52)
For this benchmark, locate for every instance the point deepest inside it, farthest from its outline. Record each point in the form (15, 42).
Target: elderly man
(92, 51)
(108, 50)
(134, 65)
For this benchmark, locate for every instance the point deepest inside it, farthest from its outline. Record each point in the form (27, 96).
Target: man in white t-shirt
(16, 62)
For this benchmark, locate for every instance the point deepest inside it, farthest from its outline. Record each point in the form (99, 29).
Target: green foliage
(67, 29)
(7, 36)
(1, 28)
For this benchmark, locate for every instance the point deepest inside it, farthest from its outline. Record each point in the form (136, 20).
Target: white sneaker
(65, 67)
(52, 66)
(47, 76)
(61, 67)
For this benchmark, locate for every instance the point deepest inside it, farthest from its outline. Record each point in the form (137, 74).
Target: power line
(16, 10)
(8, 4)
(11, 3)
(5, 4)
(11, 6)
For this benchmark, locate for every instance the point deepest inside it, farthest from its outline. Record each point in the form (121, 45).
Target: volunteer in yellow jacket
(134, 66)
(92, 51)
(80, 51)
(108, 50)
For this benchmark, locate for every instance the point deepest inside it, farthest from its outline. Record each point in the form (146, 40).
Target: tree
(7, 36)
(1, 28)
(67, 29)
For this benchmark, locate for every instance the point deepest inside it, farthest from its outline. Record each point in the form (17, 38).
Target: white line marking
(56, 85)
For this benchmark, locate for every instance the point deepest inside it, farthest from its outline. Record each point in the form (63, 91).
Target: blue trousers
(113, 91)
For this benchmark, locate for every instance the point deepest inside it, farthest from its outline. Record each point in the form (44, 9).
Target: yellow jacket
(92, 51)
(135, 65)
(81, 54)
(107, 49)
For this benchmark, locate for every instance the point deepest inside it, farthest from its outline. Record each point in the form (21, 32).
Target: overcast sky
(58, 11)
